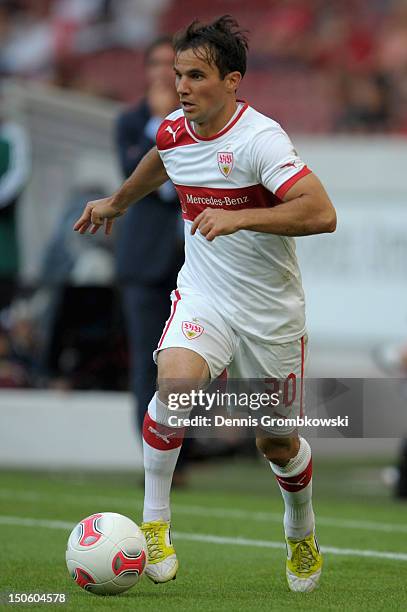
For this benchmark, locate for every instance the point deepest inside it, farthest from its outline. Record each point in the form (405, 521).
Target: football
(106, 553)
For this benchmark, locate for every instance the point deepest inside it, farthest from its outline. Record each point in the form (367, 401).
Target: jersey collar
(226, 129)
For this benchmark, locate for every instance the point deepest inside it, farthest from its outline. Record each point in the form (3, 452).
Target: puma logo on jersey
(162, 436)
(171, 131)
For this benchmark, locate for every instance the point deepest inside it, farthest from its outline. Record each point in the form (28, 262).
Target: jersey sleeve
(172, 132)
(275, 161)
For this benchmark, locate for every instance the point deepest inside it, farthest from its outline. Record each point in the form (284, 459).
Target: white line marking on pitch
(224, 513)
(213, 539)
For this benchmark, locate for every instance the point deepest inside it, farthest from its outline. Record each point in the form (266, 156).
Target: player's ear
(232, 81)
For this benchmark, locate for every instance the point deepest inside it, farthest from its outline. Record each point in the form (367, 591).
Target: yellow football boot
(304, 564)
(162, 563)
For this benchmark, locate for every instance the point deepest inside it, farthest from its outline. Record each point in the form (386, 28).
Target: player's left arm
(305, 210)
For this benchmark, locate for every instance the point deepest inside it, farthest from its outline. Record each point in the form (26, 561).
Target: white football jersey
(252, 278)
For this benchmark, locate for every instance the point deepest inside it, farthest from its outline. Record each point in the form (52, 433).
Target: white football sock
(295, 482)
(161, 447)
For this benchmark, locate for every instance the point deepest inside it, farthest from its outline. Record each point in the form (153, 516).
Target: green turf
(220, 501)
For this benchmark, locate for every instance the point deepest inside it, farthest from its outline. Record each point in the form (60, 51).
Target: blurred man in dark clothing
(150, 248)
(14, 173)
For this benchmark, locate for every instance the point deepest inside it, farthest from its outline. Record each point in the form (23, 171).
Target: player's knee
(278, 450)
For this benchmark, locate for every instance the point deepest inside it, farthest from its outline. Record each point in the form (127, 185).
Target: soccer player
(239, 304)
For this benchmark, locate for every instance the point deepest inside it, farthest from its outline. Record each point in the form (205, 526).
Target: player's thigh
(260, 360)
(180, 363)
(196, 343)
(180, 370)
(279, 370)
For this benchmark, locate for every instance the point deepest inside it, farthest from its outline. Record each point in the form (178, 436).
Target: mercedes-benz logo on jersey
(171, 131)
(225, 162)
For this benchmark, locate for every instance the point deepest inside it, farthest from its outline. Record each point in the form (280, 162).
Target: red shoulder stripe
(173, 134)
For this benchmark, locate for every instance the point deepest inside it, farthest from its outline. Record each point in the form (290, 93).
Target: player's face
(160, 65)
(203, 94)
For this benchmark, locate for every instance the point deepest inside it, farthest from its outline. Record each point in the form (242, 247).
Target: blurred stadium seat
(307, 58)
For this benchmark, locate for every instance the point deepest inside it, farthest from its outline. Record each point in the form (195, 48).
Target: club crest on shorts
(191, 330)
(225, 162)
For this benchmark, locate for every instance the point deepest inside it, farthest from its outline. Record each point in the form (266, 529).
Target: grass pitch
(234, 510)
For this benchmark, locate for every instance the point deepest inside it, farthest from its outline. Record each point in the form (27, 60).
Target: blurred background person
(14, 172)
(149, 246)
(366, 104)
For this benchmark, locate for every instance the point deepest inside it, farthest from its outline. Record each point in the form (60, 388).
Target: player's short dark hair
(222, 43)
(157, 42)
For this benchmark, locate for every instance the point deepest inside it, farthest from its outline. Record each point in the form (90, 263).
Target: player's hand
(212, 222)
(97, 213)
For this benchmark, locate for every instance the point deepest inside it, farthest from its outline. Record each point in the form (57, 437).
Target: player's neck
(217, 123)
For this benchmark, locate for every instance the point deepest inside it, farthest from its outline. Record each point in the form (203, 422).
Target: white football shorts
(196, 325)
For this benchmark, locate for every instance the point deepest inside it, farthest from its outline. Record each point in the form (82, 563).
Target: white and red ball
(106, 553)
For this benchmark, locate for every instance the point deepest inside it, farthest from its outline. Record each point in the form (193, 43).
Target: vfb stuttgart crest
(191, 330)
(225, 162)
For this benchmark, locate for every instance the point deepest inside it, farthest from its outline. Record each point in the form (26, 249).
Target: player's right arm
(148, 176)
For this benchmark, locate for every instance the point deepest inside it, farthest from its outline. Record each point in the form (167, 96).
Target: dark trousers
(146, 311)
